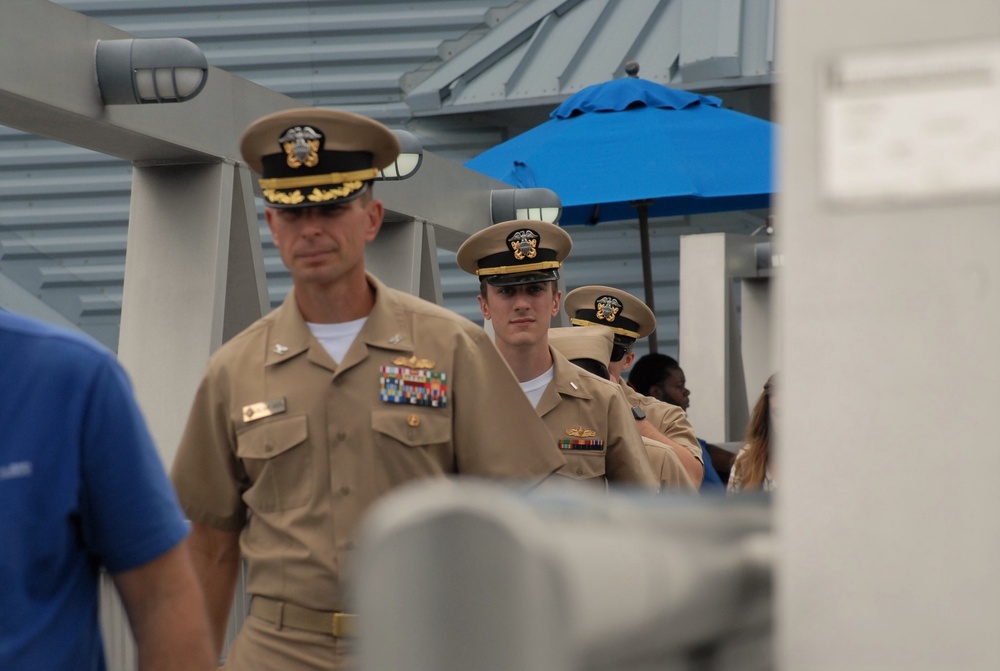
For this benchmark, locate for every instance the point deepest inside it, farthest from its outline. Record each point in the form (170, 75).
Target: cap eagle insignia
(301, 145)
(524, 244)
(607, 308)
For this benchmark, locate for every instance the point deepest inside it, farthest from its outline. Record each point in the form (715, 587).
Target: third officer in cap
(517, 263)
(631, 319)
(346, 391)
(591, 349)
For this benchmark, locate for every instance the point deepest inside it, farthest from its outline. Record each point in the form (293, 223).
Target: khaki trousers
(263, 646)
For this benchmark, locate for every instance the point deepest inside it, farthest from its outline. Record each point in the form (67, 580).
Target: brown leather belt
(289, 615)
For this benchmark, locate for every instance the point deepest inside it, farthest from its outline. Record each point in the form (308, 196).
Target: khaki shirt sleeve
(496, 432)
(626, 460)
(668, 419)
(668, 468)
(206, 474)
(673, 423)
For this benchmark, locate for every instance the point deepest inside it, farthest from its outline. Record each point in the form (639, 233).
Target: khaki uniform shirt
(671, 420)
(668, 468)
(292, 448)
(593, 428)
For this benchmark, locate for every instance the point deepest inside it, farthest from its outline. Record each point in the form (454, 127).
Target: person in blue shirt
(82, 488)
(661, 377)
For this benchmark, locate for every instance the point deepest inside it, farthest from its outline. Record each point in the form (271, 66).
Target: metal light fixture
(140, 71)
(411, 155)
(538, 204)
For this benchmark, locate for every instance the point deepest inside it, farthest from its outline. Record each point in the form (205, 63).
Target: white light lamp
(141, 71)
(537, 204)
(411, 155)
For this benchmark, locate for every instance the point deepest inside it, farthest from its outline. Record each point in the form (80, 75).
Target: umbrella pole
(647, 271)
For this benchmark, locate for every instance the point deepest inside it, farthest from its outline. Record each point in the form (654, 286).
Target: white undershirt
(534, 389)
(337, 338)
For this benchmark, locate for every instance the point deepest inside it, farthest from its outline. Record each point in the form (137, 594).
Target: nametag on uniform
(256, 411)
(413, 386)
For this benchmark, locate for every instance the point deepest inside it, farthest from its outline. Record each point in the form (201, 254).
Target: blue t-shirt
(81, 486)
(711, 481)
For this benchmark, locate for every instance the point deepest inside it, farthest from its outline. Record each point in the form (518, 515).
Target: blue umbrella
(630, 140)
(631, 146)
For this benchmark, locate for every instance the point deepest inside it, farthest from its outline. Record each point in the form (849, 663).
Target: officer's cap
(522, 251)
(628, 316)
(312, 156)
(593, 343)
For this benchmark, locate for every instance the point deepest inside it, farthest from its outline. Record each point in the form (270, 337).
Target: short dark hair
(593, 366)
(651, 369)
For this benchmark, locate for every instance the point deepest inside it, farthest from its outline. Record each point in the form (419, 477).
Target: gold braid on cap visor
(348, 183)
(318, 180)
(620, 331)
(525, 268)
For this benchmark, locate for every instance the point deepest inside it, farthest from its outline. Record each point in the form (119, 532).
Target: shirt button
(345, 490)
(349, 546)
(341, 435)
(579, 471)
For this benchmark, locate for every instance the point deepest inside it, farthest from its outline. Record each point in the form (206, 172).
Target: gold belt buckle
(345, 625)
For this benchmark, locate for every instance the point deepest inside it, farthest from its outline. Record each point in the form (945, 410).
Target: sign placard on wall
(911, 125)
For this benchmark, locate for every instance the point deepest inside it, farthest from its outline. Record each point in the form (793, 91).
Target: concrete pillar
(711, 347)
(890, 303)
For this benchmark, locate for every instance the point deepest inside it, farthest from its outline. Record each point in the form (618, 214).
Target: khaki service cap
(591, 343)
(521, 251)
(596, 305)
(311, 156)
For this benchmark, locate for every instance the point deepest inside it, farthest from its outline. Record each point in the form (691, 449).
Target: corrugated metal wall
(63, 225)
(63, 210)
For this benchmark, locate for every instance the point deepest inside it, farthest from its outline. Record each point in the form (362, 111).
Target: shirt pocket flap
(584, 466)
(268, 440)
(413, 429)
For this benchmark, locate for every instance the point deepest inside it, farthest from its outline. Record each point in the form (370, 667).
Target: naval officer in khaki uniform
(631, 319)
(346, 391)
(591, 348)
(518, 264)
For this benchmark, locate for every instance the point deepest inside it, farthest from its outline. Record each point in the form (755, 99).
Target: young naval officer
(518, 263)
(347, 390)
(631, 319)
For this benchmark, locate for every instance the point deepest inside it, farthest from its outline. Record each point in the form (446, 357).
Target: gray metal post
(193, 273)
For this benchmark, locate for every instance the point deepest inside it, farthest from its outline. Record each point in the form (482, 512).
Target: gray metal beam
(48, 87)
(453, 198)
(428, 94)
(13, 297)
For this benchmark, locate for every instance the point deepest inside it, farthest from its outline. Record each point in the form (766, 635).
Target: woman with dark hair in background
(753, 468)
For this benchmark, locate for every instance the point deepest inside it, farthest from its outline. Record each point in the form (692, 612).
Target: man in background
(82, 488)
(590, 348)
(631, 319)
